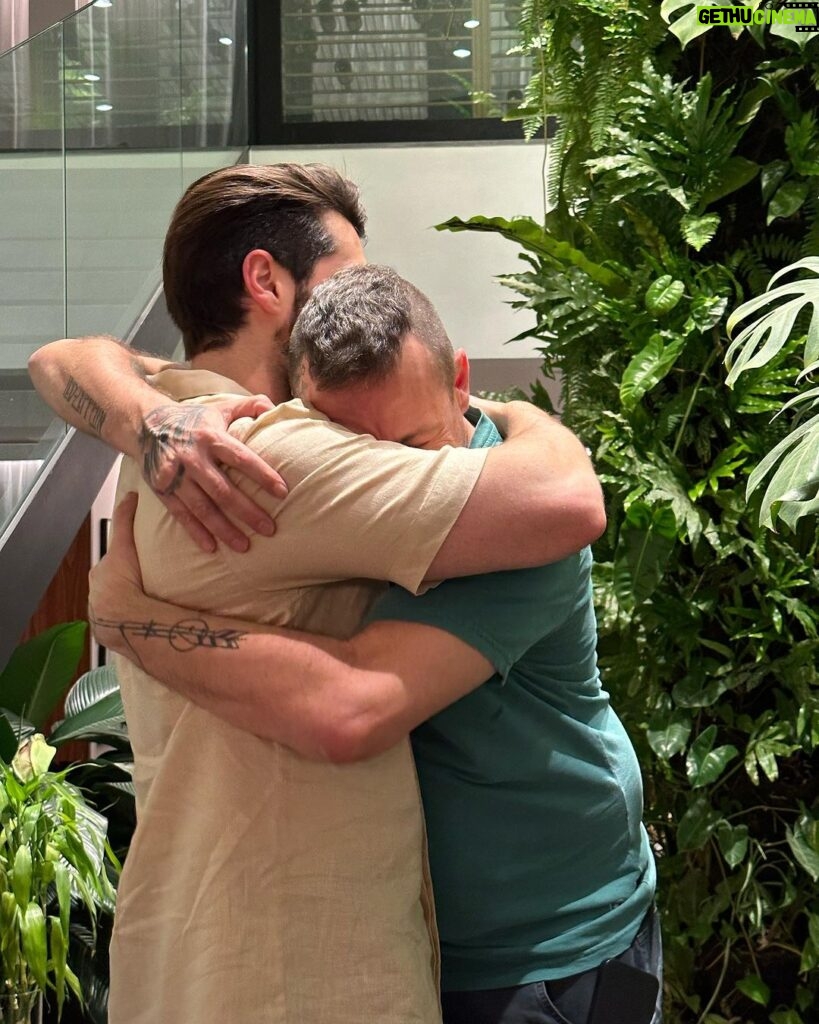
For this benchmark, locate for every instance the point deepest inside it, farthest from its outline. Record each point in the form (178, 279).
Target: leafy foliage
(793, 490)
(36, 677)
(676, 196)
(53, 854)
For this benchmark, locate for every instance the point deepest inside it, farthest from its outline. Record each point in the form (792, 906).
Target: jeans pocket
(548, 1005)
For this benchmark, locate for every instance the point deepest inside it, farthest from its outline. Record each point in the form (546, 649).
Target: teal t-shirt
(532, 794)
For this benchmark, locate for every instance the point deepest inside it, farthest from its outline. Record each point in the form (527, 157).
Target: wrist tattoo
(164, 432)
(81, 402)
(183, 636)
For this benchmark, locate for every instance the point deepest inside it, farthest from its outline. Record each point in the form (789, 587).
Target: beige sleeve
(356, 507)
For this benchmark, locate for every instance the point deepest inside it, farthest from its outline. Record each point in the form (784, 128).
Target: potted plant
(54, 855)
(32, 686)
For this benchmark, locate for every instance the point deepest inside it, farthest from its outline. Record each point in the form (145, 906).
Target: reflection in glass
(32, 254)
(104, 120)
(377, 60)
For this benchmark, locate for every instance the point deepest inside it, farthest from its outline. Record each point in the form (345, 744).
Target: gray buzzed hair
(354, 324)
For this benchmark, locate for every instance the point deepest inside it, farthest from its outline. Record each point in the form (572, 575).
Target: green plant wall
(681, 178)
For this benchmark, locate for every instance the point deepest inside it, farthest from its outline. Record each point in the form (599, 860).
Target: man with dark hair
(541, 867)
(279, 208)
(261, 885)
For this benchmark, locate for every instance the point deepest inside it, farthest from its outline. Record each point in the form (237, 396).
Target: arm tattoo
(183, 636)
(81, 402)
(164, 430)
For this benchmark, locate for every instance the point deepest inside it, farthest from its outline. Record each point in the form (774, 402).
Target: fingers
(203, 521)
(236, 455)
(252, 406)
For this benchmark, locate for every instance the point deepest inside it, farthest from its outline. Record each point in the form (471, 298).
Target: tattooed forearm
(79, 400)
(164, 431)
(185, 635)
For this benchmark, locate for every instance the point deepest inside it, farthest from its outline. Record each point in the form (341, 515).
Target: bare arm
(536, 501)
(99, 386)
(327, 699)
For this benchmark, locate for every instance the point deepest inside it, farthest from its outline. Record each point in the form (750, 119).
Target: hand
(115, 584)
(186, 449)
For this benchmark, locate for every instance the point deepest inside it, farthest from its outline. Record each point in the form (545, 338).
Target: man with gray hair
(242, 895)
(542, 870)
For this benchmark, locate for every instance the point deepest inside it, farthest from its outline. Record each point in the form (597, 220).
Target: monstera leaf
(783, 311)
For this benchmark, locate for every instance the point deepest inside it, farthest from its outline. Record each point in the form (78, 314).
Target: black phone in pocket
(623, 995)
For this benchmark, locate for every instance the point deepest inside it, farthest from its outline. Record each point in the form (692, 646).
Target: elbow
(37, 363)
(590, 515)
(41, 363)
(580, 521)
(356, 736)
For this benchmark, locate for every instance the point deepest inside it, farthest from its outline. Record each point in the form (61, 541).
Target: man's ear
(462, 379)
(268, 285)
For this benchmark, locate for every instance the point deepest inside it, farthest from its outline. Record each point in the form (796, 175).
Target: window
(388, 70)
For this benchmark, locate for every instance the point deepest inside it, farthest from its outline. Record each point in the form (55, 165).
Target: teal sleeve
(500, 614)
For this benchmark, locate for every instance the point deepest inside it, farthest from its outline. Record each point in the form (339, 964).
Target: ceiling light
(462, 52)
(91, 78)
(103, 3)
(472, 23)
(225, 40)
(104, 107)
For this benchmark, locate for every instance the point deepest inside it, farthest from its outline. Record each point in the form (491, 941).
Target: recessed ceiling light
(225, 40)
(104, 107)
(462, 52)
(91, 78)
(103, 3)
(472, 23)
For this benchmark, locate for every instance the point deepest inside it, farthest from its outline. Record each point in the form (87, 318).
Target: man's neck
(243, 362)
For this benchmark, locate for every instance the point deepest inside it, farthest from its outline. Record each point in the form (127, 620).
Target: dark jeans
(567, 1001)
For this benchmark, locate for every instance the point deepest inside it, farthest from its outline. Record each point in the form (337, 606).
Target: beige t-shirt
(260, 887)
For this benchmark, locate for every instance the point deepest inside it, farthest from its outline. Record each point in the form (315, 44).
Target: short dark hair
(353, 325)
(225, 215)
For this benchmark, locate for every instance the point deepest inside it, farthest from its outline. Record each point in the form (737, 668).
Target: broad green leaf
(804, 843)
(793, 490)
(90, 688)
(697, 824)
(681, 16)
(35, 946)
(62, 883)
(735, 173)
(809, 960)
(704, 765)
(698, 231)
(532, 236)
(40, 670)
(813, 928)
(647, 368)
(21, 876)
(790, 31)
(788, 198)
(771, 177)
(663, 295)
(668, 732)
(762, 339)
(59, 958)
(755, 988)
(733, 842)
(102, 720)
(786, 1017)
(647, 538)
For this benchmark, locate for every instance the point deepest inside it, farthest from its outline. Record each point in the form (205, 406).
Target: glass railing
(104, 120)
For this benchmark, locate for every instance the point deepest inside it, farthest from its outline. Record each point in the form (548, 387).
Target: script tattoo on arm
(164, 431)
(81, 402)
(185, 635)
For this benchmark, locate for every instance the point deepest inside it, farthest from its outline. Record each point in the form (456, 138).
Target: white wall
(407, 189)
